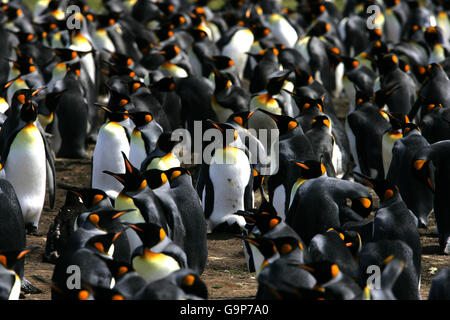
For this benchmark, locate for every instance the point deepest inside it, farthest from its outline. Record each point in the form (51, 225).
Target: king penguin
(28, 163)
(227, 172)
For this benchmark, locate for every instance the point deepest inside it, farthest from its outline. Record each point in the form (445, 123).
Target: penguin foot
(27, 288)
(32, 231)
(51, 257)
(224, 227)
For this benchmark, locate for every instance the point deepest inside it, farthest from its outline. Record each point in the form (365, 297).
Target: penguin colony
(126, 77)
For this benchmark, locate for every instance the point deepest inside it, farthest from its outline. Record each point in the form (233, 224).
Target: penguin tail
(28, 288)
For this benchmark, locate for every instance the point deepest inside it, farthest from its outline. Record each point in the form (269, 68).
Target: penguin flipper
(50, 170)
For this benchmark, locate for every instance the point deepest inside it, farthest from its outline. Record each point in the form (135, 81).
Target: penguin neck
(295, 187)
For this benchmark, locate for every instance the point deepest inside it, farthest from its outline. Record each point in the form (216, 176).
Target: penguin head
(222, 81)
(102, 244)
(155, 178)
(29, 111)
(9, 258)
(385, 190)
(434, 36)
(118, 101)
(266, 247)
(176, 172)
(132, 180)
(397, 120)
(117, 268)
(321, 121)
(12, 11)
(120, 59)
(65, 54)
(226, 132)
(362, 97)
(170, 51)
(116, 116)
(119, 70)
(362, 206)
(350, 64)
(190, 282)
(434, 69)
(409, 127)
(90, 197)
(150, 234)
(135, 86)
(388, 63)
(323, 271)
(307, 103)
(351, 239)
(320, 28)
(220, 62)
(240, 118)
(286, 245)
(140, 118)
(102, 219)
(276, 82)
(285, 124)
(260, 31)
(265, 219)
(302, 77)
(198, 34)
(73, 69)
(24, 64)
(307, 169)
(166, 84)
(25, 37)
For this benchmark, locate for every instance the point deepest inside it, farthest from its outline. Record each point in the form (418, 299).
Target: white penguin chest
(25, 166)
(229, 172)
(111, 142)
(137, 149)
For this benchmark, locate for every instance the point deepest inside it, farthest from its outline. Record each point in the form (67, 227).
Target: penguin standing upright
(111, 142)
(417, 196)
(394, 221)
(430, 167)
(190, 207)
(28, 163)
(365, 127)
(235, 44)
(227, 172)
(322, 142)
(72, 113)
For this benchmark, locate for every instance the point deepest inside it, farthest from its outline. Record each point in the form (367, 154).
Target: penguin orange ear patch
(334, 270)
(388, 194)
(21, 98)
(365, 202)
(418, 164)
(304, 166)
(238, 120)
(188, 280)
(3, 260)
(83, 295)
(292, 125)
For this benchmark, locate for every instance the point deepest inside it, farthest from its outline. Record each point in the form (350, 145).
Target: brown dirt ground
(226, 273)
